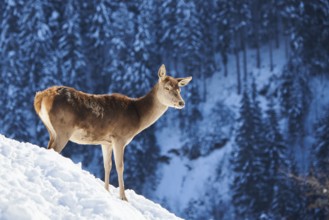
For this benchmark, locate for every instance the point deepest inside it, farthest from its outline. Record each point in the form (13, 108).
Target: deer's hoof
(124, 198)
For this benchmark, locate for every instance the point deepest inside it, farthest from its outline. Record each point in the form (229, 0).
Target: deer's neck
(149, 108)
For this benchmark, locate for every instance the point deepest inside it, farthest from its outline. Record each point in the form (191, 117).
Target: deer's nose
(181, 103)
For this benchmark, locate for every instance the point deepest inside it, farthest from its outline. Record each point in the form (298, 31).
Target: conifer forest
(253, 139)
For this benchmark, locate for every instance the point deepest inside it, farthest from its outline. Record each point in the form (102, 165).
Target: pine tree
(263, 157)
(240, 22)
(119, 49)
(295, 98)
(51, 65)
(284, 199)
(16, 112)
(277, 165)
(34, 38)
(208, 40)
(321, 167)
(40, 60)
(9, 56)
(208, 44)
(289, 196)
(138, 72)
(308, 24)
(187, 47)
(223, 20)
(255, 32)
(99, 33)
(244, 186)
(70, 46)
(268, 25)
(259, 160)
(277, 149)
(321, 147)
(188, 42)
(316, 195)
(166, 23)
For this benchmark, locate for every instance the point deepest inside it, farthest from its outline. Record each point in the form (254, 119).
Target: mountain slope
(206, 179)
(36, 183)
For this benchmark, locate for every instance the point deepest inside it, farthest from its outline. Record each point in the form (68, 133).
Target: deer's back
(93, 116)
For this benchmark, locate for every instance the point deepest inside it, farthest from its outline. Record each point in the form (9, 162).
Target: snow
(189, 178)
(36, 183)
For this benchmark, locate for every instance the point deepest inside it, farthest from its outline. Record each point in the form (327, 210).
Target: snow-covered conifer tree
(17, 83)
(98, 23)
(244, 158)
(71, 47)
(321, 147)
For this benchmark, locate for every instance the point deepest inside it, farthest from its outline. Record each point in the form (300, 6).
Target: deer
(109, 120)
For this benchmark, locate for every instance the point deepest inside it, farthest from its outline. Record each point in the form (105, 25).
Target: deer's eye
(167, 88)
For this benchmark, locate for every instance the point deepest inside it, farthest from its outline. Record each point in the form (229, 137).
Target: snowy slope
(36, 183)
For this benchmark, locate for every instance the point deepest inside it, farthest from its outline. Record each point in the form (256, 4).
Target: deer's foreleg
(119, 163)
(107, 158)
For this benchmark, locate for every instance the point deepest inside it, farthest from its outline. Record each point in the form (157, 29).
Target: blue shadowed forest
(253, 139)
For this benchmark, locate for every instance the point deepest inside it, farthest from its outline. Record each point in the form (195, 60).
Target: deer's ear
(184, 81)
(162, 72)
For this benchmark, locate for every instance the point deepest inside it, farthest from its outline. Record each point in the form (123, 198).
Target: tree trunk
(225, 69)
(237, 59)
(256, 25)
(204, 78)
(257, 53)
(277, 31)
(286, 46)
(244, 53)
(175, 64)
(224, 61)
(271, 53)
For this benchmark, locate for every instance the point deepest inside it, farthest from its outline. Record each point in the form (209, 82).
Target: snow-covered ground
(36, 183)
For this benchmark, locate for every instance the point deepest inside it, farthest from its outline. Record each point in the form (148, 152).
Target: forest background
(274, 129)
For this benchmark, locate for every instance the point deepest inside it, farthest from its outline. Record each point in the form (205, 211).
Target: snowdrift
(36, 183)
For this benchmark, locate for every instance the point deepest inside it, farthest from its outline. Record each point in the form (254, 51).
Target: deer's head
(169, 89)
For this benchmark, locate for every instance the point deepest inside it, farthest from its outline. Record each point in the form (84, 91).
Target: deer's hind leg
(51, 138)
(63, 133)
(57, 125)
(60, 141)
(44, 115)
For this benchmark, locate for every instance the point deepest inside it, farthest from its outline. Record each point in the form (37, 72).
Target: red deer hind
(111, 121)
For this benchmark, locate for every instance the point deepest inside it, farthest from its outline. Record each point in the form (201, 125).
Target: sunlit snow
(36, 183)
